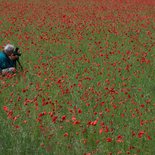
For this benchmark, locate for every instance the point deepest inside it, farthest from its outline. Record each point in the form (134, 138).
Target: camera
(16, 52)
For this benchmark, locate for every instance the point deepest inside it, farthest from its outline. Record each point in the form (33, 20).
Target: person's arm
(14, 59)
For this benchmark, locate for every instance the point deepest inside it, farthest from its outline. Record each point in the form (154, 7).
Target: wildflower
(76, 122)
(54, 119)
(5, 108)
(140, 134)
(66, 134)
(101, 130)
(148, 138)
(63, 117)
(119, 139)
(79, 111)
(109, 139)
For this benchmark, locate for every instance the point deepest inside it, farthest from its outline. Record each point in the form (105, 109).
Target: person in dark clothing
(8, 60)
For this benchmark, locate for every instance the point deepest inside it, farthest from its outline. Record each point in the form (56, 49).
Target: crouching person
(8, 60)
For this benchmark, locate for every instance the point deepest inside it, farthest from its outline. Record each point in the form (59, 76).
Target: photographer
(8, 60)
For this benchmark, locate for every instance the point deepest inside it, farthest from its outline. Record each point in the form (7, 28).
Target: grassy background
(88, 80)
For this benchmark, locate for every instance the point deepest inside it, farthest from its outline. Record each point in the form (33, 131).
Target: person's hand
(14, 57)
(11, 70)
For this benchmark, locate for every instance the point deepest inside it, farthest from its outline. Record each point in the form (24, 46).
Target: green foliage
(88, 81)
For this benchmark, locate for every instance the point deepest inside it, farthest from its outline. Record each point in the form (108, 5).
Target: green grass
(94, 77)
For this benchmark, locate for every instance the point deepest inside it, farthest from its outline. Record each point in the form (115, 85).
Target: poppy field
(88, 84)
